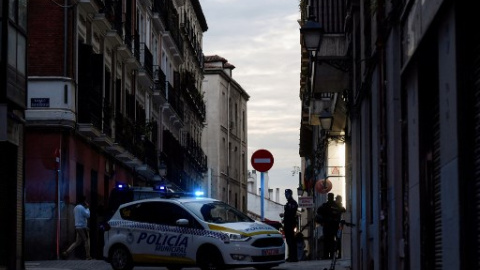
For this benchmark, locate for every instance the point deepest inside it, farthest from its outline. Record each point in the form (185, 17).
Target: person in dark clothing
(330, 214)
(338, 200)
(289, 223)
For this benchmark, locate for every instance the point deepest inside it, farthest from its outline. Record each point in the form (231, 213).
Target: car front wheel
(120, 258)
(210, 259)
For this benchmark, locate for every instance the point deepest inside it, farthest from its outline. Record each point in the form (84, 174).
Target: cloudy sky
(261, 39)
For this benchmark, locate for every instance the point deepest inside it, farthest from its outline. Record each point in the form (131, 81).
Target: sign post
(262, 161)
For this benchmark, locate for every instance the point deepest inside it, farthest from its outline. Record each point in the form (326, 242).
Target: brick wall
(46, 38)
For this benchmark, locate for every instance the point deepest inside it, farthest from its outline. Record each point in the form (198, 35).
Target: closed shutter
(476, 79)
(436, 200)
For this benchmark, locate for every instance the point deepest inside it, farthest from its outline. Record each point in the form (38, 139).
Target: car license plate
(269, 252)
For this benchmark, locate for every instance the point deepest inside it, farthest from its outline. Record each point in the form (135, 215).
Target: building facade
(408, 74)
(225, 137)
(114, 95)
(13, 90)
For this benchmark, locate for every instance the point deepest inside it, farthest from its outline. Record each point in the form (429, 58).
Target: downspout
(380, 47)
(65, 37)
(228, 142)
(58, 155)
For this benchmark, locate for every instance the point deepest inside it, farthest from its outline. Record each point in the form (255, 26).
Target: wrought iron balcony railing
(195, 154)
(159, 80)
(146, 60)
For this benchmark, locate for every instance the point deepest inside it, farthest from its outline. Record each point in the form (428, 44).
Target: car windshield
(216, 212)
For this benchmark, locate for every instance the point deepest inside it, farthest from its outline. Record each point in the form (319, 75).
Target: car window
(216, 212)
(163, 213)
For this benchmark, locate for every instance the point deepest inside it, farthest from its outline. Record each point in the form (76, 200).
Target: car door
(140, 230)
(176, 243)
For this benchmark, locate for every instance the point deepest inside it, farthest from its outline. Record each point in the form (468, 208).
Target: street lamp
(162, 169)
(312, 33)
(300, 190)
(326, 120)
(159, 178)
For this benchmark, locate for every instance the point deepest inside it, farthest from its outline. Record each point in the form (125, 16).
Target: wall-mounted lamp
(312, 33)
(159, 176)
(326, 120)
(300, 191)
(162, 169)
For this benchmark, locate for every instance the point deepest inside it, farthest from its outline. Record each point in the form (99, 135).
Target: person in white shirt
(82, 214)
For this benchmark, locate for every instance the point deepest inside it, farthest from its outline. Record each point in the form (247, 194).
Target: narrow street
(342, 264)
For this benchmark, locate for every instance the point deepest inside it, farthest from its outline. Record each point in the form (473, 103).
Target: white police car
(181, 232)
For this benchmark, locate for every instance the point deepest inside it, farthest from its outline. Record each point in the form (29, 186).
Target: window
(163, 213)
(17, 12)
(16, 50)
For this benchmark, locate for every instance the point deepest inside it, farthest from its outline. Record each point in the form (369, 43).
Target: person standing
(330, 214)
(289, 224)
(81, 214)
(338, 200)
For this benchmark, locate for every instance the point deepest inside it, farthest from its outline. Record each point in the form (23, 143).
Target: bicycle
(337, 240)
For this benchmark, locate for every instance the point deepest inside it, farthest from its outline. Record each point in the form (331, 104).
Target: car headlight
(237, 237)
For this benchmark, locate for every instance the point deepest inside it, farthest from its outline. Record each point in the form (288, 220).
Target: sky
(261, 39)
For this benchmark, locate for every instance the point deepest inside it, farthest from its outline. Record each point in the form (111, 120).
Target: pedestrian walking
(329, 214)
(289, 224)
(81, 214)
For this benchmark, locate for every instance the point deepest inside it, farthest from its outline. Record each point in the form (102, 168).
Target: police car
(178, 231)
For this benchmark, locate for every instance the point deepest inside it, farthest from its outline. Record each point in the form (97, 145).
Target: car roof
(178, 199)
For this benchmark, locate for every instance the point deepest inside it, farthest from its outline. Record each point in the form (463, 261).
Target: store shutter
(437, 207)
(476, 81)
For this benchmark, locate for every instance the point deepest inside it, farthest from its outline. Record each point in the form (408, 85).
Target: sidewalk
(342, 264)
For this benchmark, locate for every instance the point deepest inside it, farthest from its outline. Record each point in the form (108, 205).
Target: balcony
(124, 134)
(173, 108)
(159, 85)
(145, 73)
(195, 153)
(173, 149)
(171, 34)
(114, 149)
(193, 43)
(103, 140)
(51, 100)
(174, 42)
(332, 65)
(90, 6)
(114, 38)
(90, 88)
(159, 10)
(101, 22)
(193, 97)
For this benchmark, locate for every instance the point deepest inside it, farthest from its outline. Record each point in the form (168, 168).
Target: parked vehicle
(178, 231)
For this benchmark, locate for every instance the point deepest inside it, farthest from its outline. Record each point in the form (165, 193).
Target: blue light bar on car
(121, 186)
(199, 193)
(160, 187)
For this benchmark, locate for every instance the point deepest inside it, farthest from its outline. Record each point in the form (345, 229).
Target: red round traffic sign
(262, 160)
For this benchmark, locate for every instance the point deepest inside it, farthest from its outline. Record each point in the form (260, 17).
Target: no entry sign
(262, 160)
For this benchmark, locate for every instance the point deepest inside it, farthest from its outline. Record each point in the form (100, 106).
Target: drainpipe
(228, 142)
(383, 207)
(58, 153)
(65, 37)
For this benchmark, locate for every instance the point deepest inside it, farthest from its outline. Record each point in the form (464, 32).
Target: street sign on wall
(262, 160)
(305, 202)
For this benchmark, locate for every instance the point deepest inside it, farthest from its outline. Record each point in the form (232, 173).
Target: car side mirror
(182, 222)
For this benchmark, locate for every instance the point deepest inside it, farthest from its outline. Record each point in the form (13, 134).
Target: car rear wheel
(266, 267)
(120, 258)
(210, 258)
